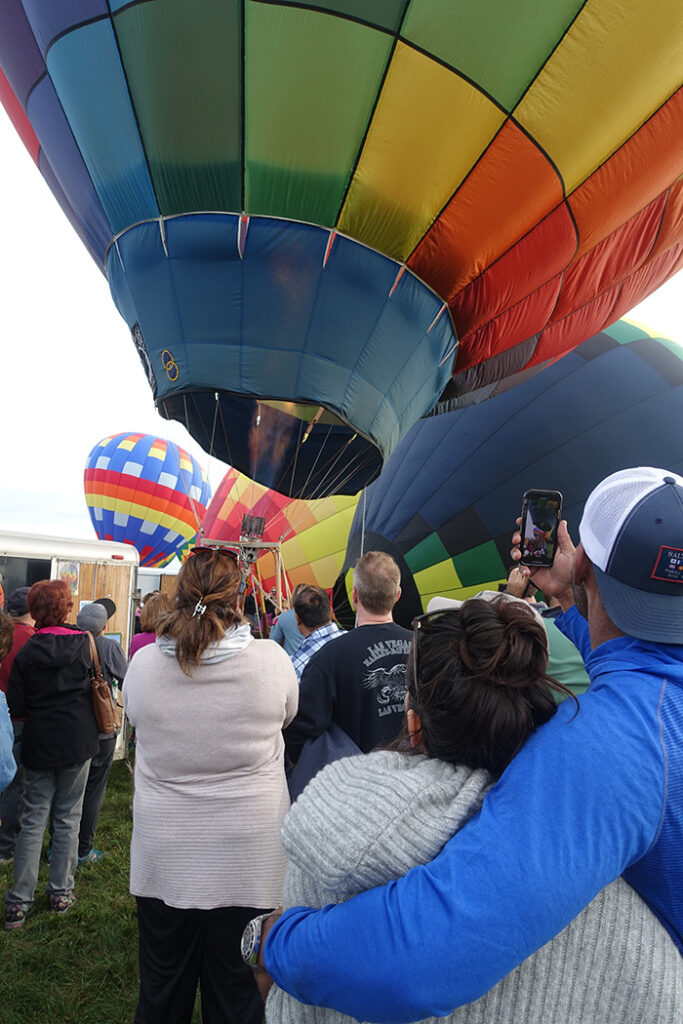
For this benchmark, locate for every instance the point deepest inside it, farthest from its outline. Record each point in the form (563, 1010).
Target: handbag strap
(93, 652)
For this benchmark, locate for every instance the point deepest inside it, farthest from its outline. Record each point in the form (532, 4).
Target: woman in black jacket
(49, 686)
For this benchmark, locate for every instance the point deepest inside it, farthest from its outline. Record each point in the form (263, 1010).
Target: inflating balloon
(147, 492)
(317, 218)
(446, 502)
(312, 534)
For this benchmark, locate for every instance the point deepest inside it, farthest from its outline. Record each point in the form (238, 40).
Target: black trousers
(100, 766)
(182, 948)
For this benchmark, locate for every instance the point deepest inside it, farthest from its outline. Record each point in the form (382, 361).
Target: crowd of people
(471, 840)
(62, 762)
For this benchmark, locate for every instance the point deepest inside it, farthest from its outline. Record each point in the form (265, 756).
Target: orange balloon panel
(312, 533)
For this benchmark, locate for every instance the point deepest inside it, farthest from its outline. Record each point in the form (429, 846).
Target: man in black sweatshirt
(359, 681)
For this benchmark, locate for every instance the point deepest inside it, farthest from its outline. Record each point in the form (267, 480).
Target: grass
(80, 968)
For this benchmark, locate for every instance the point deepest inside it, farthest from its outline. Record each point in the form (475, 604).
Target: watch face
(249, 936)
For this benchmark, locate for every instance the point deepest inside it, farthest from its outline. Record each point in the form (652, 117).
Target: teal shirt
(565, 662)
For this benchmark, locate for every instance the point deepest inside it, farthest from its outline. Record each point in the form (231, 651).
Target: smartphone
(541, 514)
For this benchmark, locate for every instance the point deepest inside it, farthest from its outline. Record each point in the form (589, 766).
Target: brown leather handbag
(107, 712)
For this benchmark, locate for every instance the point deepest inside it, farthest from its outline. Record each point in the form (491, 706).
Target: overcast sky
(70, 374)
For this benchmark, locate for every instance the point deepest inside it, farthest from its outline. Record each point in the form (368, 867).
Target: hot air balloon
(445, 503)
(312, 534)
(147, 492)
(317, 218)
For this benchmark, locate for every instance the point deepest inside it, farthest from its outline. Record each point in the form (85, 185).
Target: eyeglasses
(193, 552)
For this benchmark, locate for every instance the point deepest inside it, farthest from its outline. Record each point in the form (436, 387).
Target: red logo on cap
(669, 565)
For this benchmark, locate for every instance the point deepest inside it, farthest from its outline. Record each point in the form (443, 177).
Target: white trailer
(92, 568)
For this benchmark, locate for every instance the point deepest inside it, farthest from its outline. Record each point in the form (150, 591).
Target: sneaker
(15, 915)
(6, 858)
(91, 857)
(60, 903)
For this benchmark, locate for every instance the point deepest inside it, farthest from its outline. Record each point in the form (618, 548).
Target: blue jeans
(62, 790)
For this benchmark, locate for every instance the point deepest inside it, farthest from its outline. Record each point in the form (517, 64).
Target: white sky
(70, 374)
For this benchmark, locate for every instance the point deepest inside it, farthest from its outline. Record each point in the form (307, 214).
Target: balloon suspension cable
(332, 481)
(296, 459)
(295, 515)
(315, 461)
(225, 437)
(213, 436)
(193, 504)
(362, 526)
(301, 441)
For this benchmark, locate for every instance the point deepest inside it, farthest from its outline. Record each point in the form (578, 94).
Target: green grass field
(80, 968)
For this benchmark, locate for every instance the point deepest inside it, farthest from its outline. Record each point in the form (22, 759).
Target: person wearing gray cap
(588, 798)
(93, 617)
(10, 801)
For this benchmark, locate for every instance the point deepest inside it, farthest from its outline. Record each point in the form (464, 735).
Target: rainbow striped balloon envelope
(318, 218)
(147, 492)
(312, 534)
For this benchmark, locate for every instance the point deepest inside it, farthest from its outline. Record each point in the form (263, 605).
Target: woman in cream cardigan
(208, 703)
(477, 688)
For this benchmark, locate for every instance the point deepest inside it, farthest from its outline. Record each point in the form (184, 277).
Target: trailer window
(22, 572)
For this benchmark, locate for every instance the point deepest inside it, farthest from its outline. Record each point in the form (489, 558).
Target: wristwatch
(251, 940)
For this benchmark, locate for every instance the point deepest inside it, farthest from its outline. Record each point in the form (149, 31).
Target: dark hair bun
(502, 642)
(482, 685)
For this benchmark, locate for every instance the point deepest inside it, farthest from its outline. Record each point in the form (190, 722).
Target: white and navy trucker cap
(632, 531)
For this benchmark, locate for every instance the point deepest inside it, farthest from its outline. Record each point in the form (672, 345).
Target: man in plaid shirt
(314, 619)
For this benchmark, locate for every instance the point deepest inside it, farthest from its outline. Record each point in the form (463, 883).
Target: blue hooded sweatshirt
(591, 796)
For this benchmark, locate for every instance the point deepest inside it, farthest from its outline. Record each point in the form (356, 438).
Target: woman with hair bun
(477, 690)
(208, 703)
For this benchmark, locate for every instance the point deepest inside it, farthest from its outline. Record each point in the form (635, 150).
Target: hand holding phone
(541, 515)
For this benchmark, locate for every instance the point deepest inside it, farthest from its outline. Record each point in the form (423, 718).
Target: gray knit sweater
(365, 820)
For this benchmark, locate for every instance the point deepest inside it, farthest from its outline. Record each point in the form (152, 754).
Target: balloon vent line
(162, 232)
(438, 315)
(395, 284)
(449, 353)
(328, 248)
(242, 229)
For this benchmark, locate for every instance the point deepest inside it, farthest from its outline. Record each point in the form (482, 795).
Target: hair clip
(199, 608)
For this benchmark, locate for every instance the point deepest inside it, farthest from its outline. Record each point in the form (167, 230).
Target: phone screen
(540, 518)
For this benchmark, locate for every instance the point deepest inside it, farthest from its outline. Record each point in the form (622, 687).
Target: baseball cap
(632, 531)
(16, 602)
(107, 604)
(92, 617)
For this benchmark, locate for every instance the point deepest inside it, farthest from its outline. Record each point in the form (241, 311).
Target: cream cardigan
(210, 789)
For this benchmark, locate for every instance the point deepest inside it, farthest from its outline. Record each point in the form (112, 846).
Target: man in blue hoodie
(588, 798)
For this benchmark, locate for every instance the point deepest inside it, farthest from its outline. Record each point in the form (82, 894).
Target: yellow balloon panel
(619, 61)
(429, 128)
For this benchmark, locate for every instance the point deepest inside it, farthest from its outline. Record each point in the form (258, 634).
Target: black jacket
(49, 686)
(357, 681)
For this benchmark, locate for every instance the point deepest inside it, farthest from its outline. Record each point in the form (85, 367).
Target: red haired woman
(49, 686)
